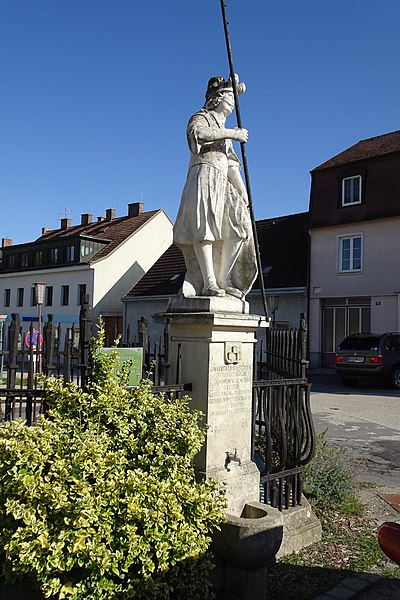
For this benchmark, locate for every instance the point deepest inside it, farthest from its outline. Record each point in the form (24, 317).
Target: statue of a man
(213, 228)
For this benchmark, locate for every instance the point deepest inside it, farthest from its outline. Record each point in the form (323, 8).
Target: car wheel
(395, 378)
(350, 382)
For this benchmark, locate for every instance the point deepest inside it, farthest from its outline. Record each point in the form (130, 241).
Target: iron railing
(283, 438)
(66, 353)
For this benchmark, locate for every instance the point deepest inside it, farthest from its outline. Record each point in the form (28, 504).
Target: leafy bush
(100, 501)
(328, 477)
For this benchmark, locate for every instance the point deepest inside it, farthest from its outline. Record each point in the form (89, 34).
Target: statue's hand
(241, 135)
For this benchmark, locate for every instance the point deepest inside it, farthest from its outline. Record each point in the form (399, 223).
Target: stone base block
(212, 304)
(245, 584)
(301, 528)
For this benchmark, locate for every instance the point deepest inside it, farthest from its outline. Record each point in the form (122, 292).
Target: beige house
(355, 245)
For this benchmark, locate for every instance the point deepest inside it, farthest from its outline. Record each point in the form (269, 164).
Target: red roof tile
(369, 148)
(114, 231)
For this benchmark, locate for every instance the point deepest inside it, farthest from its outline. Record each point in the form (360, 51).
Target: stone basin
(251, 540)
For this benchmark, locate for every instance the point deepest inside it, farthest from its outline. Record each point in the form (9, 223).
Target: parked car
(369, 356)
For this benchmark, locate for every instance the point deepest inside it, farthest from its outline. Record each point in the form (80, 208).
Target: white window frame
(351, 237)
(352, 201)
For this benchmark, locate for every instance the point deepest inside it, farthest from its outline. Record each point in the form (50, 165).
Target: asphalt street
(366, 420)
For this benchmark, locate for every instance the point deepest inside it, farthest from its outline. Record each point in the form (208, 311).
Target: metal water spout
(232, 457)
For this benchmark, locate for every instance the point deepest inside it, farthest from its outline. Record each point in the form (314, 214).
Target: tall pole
(244, 160)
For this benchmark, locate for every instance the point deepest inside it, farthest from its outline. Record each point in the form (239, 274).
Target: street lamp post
(274, 305)
(39, 294)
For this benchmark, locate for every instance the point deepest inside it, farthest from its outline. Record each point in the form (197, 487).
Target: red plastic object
(389, 540)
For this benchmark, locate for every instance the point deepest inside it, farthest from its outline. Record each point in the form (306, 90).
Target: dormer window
(351, 190)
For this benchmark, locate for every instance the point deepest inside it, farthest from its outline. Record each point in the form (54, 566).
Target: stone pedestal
(217, 359)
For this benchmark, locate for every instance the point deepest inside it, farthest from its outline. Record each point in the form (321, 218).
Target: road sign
(37, 339)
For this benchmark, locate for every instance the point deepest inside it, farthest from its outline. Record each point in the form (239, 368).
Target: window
(393, 343)
(11, 261)
(81, 292)
(7, 297)
(33, 297)
(64, 295)
(351, 190)
(38, 258)
(350, 253)
(49, 295)
(20, 296)
(53, 255)
(70, 253)
(23, 259)
(89, 248)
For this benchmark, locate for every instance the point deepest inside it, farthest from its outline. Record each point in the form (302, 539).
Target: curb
(350, 587)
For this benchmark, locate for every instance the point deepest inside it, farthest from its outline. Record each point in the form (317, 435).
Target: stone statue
(213, 228)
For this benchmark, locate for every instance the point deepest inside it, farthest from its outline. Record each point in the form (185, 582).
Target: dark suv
(369, 356)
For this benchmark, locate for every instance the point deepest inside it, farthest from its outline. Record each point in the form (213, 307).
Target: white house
(102, 258)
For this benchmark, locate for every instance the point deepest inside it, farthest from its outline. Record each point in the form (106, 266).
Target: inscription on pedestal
(229, 389)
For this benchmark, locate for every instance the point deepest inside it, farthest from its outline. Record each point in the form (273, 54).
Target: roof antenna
(66, 213)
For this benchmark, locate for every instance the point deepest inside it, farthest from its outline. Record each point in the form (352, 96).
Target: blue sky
(96, 94)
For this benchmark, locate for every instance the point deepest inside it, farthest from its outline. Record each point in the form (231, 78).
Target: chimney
(110, 214)
(5, 242)
(100, 219)
(135, 209)
(46, 230)
(65, 223)
(86, 219)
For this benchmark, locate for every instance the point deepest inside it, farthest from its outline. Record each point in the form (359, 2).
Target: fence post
(3, 346)
(49, 336)
(85, 338)
(303, 344)
(167, 361)
(30, 358)
(143, 343)
(67, 359)
(13, 335)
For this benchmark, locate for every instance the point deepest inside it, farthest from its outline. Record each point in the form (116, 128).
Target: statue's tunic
(211, 208)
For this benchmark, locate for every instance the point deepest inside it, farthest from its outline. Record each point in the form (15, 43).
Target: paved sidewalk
(364, 586)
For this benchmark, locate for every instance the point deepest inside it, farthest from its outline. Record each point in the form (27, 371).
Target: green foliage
(328, 477)
(100, 500)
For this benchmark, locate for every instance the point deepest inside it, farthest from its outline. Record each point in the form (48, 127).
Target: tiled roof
(114, 231)
(369, 148)
(165, 277)
(283, 245)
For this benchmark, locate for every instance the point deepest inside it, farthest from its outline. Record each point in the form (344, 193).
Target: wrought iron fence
(65, 352)
(283, 438)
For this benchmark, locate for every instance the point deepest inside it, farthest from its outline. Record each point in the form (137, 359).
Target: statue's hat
(218, 84)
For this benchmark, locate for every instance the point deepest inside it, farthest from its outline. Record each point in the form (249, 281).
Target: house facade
(102, 258)
(354, 245)
(283, 243)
